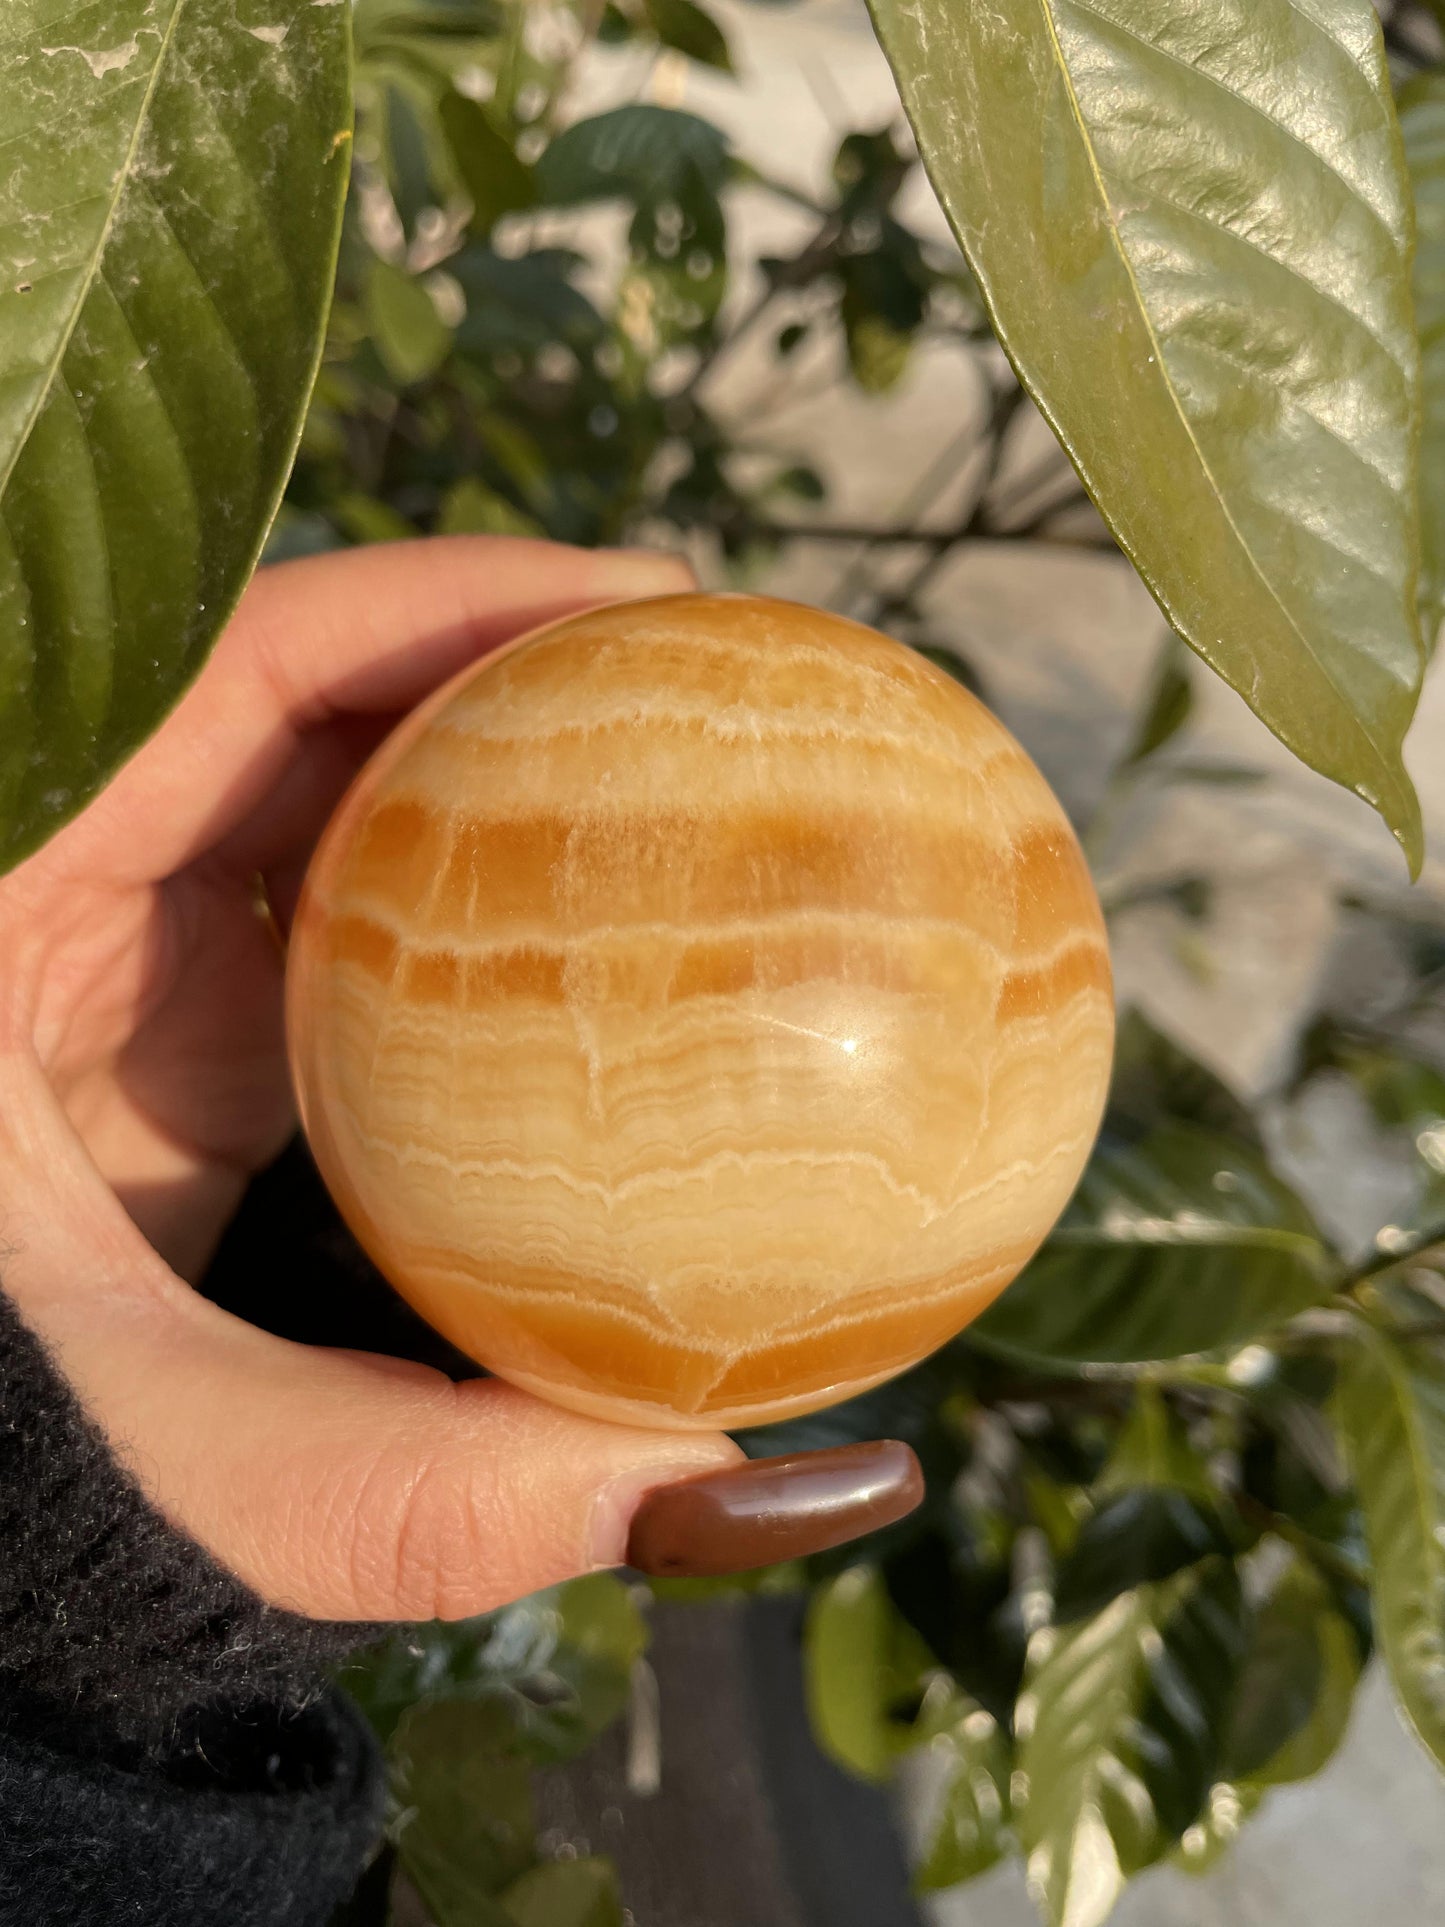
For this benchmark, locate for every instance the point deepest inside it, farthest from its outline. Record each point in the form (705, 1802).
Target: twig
(1418, 1328)
(975, 525)
(794, 274)
(935, 478)
(1404, 1254)
(914, 537)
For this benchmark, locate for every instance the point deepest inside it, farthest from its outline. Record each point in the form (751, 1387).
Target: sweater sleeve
(169, 1754)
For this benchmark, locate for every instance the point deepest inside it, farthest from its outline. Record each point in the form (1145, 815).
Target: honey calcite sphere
(700, 1010)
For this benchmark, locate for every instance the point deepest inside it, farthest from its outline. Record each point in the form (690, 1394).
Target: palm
(163, 1004)
(134, 962)
(143, 1078)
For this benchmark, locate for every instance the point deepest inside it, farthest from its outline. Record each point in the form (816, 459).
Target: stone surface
(701, 1011)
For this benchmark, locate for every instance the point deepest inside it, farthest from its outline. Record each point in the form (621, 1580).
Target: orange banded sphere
(700, 1010)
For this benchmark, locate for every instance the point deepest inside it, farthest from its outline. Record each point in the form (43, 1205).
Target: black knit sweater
(169, 1754)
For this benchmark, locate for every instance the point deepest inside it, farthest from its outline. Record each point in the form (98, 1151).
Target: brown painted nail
(772, 1509)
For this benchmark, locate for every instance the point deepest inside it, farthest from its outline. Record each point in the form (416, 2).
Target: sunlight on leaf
(1191, 224)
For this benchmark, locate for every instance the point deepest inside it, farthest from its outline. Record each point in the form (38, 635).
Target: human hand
(143, 1081)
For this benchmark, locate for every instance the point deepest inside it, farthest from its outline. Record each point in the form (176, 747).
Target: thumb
(346, 1486)
(338, 1484)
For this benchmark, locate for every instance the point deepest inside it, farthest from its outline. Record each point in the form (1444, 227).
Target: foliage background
(1189, 1475)
(1138, 1599)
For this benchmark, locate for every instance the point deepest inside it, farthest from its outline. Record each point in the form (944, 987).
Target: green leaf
(365, 519)
(971, 1831)
(1170, 701)
(863, 1664)
(904, 1408)
(1291, 1709)
(1184, 1242)
(669, 167)
(169, 213)
(1390, 1406)
(1191, 225)
(952, 664)
(601, 1622)
(1154, 1449)
(555, 1667)
(884, 301)
(406, 156)
(1156, 1511)
(566, 1893)
(497, 180)
(521, 306)
(466, 1825)
(685, 26)
(1157, 1082)
(1296, 1685)
(1117, 1733)
(1422, 120)
(640, 153)
(462, 1659)
(600, 1635)
(1135, 1537)
(471, 508)
(409, 334)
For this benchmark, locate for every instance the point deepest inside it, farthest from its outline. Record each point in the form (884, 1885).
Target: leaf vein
(1354, 723)
(122, 181)
(1245, 104)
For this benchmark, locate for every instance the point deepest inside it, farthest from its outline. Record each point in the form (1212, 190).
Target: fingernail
(768, 1510)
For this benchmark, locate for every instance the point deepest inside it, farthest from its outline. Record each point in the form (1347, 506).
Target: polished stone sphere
(700, 1010)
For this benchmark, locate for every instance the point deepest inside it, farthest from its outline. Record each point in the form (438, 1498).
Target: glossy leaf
(556, 1666)
(1291, 1709)
(435, 1661)
(496, 180)
(683, 25)
(406, 156)
(862, 1664)
(409, 334)
(1154, 1449)
(522, 306)
(1296, 1685)
(1191, 225)
(1171, 699)
(971, 1831)
(904, 1408)
(599, 1635)
(1181, 1243)
(471, 508)
(1157, 1082)
(1117, 1738)
(1422, 120)
(169, 212)
(466, 1823)
(566, 1893)
(1135, 1537)
(639, 153)
(1391, 1411)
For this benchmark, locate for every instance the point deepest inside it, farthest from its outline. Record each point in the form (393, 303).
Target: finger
(367, 632)
(341, 1487)
(332, 1483)
(351, 1487)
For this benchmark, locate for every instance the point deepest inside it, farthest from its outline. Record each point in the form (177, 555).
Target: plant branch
(904, 537)
(975, 525)
(796, 273)
(1405, 1253)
